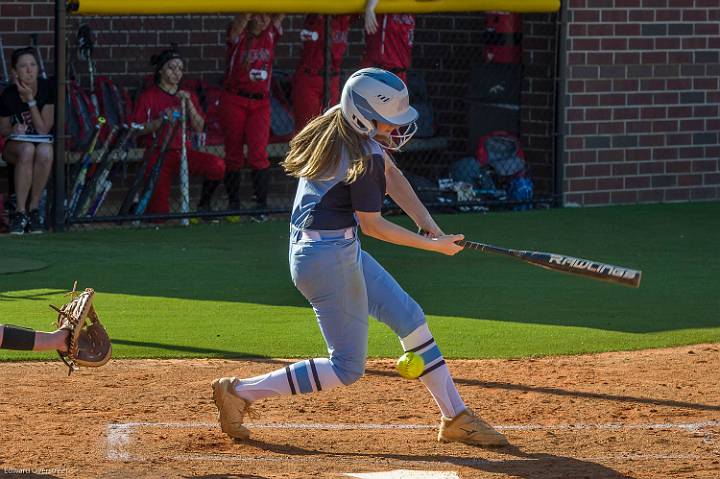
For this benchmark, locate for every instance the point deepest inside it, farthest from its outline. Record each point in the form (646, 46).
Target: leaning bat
(157, 168)
(6, 78)
(566, 264)
(34, 43)
(79, 181)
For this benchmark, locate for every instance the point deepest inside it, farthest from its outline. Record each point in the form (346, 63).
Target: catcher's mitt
(88, 342)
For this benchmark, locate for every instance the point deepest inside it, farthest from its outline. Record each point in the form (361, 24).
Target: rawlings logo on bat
(591, 266)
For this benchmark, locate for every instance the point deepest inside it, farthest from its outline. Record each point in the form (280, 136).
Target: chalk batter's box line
(119, 437)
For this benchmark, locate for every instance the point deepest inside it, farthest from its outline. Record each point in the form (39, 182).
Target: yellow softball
(410, 365)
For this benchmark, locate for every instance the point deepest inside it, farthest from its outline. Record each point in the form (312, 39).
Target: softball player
(308, 81)
(245, 104)
(163, 97)
(344, 172)
(388, 41)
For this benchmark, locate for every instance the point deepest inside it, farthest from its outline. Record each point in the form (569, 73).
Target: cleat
(18, 223)
(468, 428)
(231, 408)
(34, 223)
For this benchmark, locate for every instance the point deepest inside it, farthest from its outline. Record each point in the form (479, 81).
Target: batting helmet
(373, 95)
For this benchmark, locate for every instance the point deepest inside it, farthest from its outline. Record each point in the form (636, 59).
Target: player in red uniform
(245, 104)
(309, 79)
(308, 82)
(164, 97)
(389, 41)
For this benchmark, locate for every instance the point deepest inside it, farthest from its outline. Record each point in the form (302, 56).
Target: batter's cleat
(468, 428)
(231, 408)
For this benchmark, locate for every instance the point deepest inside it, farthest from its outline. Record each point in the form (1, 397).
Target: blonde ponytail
(315, 152)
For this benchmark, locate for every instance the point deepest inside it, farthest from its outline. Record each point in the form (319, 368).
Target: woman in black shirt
(27, 108)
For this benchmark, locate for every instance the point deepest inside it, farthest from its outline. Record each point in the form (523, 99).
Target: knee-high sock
(299, 378)
(436, 376)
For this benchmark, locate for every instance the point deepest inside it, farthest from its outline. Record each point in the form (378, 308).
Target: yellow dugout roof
(172, 7)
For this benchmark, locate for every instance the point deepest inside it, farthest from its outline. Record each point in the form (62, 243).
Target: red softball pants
(245, 121)
(307, 96)
(201, 164)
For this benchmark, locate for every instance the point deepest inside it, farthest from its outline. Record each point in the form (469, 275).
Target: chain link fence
(157, 132)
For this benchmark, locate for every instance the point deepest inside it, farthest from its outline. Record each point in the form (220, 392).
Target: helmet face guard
(399, 137)
(372, 96)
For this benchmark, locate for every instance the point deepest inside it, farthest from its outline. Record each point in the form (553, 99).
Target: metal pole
(58, 218)
(560, 105)
(184, 180)
(328, 61)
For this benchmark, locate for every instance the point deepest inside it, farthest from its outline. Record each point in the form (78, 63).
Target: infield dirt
(646, 414)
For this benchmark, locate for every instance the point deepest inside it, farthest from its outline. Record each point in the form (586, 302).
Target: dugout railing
(475, 77)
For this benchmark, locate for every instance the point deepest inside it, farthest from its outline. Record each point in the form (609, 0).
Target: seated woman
(164, 98)
(27, 107)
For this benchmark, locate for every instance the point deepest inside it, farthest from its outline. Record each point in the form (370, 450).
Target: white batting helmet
(372, 94)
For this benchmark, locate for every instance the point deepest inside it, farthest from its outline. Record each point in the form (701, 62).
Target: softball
(410, 365)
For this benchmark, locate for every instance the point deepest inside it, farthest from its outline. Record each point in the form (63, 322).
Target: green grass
(225, 290)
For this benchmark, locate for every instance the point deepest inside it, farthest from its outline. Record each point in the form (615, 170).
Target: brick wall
(446, 48)
(642, 102)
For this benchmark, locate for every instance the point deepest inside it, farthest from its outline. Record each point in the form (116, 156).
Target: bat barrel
(566, 264)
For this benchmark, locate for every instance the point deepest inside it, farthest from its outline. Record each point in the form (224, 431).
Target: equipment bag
(114, 101)
(80, 117)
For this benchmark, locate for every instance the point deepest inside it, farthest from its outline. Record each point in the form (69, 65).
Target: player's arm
(143, 114)
(6, 128)
(197, 119)
(277, 20)
(42, 120)
(371, 23)
(238, 25)
(399, 189)
(373, 224)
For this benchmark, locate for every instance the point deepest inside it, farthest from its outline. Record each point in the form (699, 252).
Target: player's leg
(334, 90)
(390, 304)
(20, 154)
(212, 169)
(26, 339)
(258, 135)
(233, 119)
(41, 173)
(332, 280)
(306, 98)
(160, 200)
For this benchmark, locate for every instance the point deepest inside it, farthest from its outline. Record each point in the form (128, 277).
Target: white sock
(299, 378)
(436, 376)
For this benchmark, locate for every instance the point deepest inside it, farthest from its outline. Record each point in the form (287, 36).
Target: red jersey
(249, 61)
(390, 47)
(313, 51)
(151, 104)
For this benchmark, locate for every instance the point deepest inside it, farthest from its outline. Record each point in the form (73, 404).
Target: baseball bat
(86, 161)
(98, 181)
(34, 43)
(566, 264)
(86, 44)
(6, 77)
(97, 203)
(184, 180)
(157, 168)
(140, 174)
(91, 179)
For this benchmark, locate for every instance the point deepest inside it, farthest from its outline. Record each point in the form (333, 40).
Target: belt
(392, 70)
(315, 71)
(320, 235)
(252, 96)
